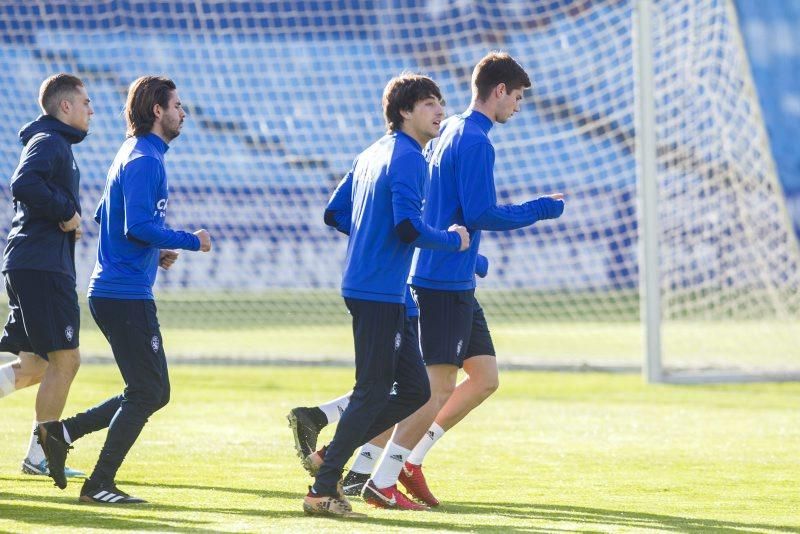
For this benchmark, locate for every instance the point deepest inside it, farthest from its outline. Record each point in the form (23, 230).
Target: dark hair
(143, 94)
(496, 68)
(55, 89)
(402, 93)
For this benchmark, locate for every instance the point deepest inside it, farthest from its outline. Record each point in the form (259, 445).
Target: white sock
(35, 452)
(334, 409)
(365, 461)
(8, 380)
(431, 436)
(393, 460)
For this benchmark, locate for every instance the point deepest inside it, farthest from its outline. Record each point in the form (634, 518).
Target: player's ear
(157, 111)
(65, 106)
(500, 90)
(405, 113)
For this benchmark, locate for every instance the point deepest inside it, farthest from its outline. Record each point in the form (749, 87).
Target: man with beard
(133, 243)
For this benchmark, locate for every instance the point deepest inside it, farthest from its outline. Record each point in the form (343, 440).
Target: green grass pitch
(549, 452)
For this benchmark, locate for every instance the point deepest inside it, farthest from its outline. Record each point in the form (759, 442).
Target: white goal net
(282, 95)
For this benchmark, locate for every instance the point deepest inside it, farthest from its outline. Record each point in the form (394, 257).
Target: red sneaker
(413, 480)
(390, 497)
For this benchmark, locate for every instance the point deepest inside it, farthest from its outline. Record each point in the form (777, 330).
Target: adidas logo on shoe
(106, 494)
(314, 504)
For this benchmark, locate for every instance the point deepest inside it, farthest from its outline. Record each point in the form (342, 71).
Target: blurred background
(282, 95)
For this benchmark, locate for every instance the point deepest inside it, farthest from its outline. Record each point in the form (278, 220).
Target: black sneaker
(50, 436)
(306, 424)
(354, 482)
(106, 493)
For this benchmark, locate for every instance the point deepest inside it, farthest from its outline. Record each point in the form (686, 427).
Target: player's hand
(205, 240)
(167, 257)
(549, 206)
(78, 233)
(72, 224)
(463, 233)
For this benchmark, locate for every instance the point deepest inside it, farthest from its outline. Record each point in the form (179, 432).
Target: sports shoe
(314, 461)
(107, 493)
(413, 481)
(337, 506)
(390, 497)
(50, 436)
(31, 468)
(306, 424)
(354, 483)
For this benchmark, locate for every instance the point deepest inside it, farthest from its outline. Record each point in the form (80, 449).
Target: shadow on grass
(83, 515)
(602, 517)
(499, 516)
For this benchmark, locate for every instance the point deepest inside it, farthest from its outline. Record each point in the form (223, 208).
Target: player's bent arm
(406, 186)
(513, 216)
(32, 189)
(339, 210)
(478, 197)
(339, 220)
(152, 235)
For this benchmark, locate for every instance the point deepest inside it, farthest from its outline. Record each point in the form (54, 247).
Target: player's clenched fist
(463, 234)
(205, 240)
(72, 224)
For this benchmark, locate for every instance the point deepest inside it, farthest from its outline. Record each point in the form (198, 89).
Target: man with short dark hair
(39, 259)
(379, 203)
(453, 330)
(133, 243)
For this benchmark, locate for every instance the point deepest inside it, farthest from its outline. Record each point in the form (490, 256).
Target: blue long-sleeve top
(45, 188)
(338, 215)
(131, 215)
(384, 192)
(461, 191)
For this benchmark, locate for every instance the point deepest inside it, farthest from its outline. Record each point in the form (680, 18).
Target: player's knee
(165, 396)
(28, 369)
(371, 393)
(490, 385)
(487, 383)
(147, 398)
(66, 361)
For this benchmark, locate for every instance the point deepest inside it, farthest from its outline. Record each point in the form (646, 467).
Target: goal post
(647, 179)
(752, 279)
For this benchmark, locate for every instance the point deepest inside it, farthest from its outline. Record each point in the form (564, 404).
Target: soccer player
(384, 189)
(133, 243)
(453, 329)
(307, 422)
(39, 258)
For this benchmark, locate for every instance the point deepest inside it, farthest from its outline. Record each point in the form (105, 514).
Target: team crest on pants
(154, 343)
(69, 332)
(459, 347)
(397, 340)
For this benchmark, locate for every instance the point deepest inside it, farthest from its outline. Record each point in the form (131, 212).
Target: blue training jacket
(45, 188)
(384, 192)
(461, 191)
(131, 216)
(340, 216)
